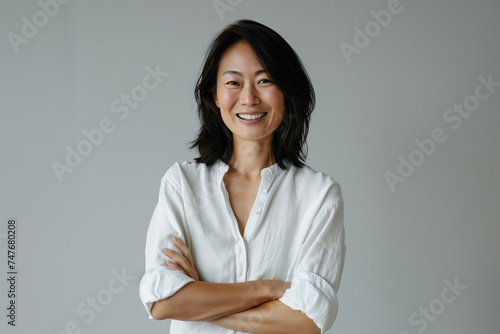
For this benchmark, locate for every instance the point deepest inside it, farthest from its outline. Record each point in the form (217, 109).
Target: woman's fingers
(180, 263)
(179, 259)
(183, 262)
(175, 266)
(186, 252)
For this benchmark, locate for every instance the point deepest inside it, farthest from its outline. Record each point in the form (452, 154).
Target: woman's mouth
(251, 117)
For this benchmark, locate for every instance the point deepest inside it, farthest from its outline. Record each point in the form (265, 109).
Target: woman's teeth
(248, 116)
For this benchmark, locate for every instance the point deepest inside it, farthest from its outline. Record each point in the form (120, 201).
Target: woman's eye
(232, 83)
(265, 81)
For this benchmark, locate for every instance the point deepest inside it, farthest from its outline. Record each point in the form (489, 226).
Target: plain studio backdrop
(97, 102)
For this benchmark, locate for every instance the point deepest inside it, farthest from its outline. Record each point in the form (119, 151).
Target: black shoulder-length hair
(214, 140)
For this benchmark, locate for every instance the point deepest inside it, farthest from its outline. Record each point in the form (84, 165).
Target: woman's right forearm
(204, 301)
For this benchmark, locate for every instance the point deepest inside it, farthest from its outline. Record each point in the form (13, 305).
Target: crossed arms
(251, 307)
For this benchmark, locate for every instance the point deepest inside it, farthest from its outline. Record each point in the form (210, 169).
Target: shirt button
(264, 190)
(257, 213)
(266, 172)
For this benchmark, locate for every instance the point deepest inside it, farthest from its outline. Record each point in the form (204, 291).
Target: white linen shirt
(294, 233)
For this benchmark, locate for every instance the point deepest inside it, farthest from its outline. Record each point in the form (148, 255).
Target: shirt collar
(273, 170)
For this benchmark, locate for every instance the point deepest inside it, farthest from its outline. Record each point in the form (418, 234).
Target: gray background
(440, 224)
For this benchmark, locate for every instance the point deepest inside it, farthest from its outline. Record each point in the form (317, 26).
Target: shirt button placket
(261, 197)
(266, 176)
(241, 260)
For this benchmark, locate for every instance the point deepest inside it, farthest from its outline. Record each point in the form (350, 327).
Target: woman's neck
(250, 157)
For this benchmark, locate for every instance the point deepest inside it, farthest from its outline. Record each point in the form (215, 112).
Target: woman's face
(251, 106)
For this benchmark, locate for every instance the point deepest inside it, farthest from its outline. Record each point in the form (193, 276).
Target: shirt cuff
(313, 296)
(160, 283)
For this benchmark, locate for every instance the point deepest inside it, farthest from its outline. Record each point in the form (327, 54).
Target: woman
(247, 238)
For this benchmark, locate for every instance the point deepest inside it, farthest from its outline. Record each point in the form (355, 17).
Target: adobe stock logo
(40, 19)
(223, 6)
(97, 303)
(429, 313)
(428, 146)
(373, 28)
(122, 108)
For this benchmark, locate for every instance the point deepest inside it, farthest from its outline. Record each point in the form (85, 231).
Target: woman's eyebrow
(239, 73)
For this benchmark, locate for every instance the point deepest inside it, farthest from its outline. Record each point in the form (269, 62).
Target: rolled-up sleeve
(316, 279)
(159, 281)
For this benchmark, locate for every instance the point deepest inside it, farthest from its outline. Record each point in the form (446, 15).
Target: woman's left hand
(183, 262)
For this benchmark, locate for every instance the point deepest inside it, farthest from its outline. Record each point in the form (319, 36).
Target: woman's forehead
(240, 59)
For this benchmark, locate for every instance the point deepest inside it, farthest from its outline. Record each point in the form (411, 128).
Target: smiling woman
(246, 95)
(262, 249)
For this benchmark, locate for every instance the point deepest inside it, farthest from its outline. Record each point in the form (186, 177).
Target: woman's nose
(248, 96)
